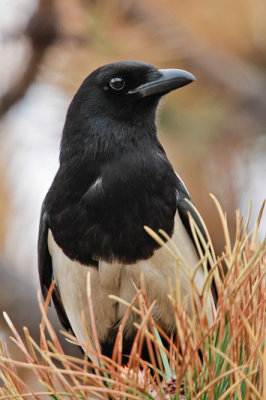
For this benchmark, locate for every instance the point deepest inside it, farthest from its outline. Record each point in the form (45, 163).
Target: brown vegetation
(222, 360)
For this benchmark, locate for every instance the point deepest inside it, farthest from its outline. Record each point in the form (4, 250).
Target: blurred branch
(41, 33)
(242, 81)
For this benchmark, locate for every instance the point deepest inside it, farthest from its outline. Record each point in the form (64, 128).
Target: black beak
(169, 80)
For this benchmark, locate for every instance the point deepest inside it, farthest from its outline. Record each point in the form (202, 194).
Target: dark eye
(117, 83)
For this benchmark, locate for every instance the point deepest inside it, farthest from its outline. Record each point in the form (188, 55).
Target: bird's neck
(105, 140)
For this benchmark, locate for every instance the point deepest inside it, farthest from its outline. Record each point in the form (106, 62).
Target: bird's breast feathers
(106, 220)
(119, 279)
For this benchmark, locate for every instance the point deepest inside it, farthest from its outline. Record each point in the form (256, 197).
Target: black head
(125, 92)
(120, 89)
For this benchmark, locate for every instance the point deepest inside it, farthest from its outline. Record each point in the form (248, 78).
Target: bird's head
(124, 93)
(121, 88)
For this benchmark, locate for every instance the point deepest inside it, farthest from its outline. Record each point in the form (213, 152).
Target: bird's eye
(117, 83)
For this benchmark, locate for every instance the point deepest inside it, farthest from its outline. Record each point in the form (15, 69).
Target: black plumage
(114, 178)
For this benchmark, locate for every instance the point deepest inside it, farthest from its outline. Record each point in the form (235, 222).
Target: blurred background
(213, 130)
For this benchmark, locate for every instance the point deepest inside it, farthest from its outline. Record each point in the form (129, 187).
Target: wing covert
(185, 208)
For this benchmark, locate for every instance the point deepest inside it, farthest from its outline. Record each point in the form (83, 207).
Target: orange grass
(222, 360)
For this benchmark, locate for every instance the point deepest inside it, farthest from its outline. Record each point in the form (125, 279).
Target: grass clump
(224, 359)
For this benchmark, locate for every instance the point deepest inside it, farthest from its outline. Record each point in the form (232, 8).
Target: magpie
(113, 180)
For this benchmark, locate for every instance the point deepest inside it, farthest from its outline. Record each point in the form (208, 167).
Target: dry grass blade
(222, 361)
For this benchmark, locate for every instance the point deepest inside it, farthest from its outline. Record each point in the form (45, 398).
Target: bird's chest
(110, 279)
(107, 219)
(120, 280)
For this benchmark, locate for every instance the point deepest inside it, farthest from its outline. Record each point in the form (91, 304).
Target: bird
(114, 179)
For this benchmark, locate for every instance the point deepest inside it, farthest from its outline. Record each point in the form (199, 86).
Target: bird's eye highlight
(117, 83)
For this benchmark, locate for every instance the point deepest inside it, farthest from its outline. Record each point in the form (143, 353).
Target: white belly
(116, 279)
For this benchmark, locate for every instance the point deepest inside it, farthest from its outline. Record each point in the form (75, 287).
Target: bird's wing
(46, 269)
(185, 207)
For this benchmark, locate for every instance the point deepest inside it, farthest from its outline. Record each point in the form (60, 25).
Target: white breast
(116, 279)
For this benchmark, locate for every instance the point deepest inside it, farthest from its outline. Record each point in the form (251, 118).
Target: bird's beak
(169, 80)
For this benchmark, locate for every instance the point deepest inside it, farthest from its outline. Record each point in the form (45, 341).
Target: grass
(225, 359)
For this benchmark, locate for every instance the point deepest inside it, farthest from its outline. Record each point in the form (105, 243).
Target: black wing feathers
(46, 269)
(184, 209)
(44, 258)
